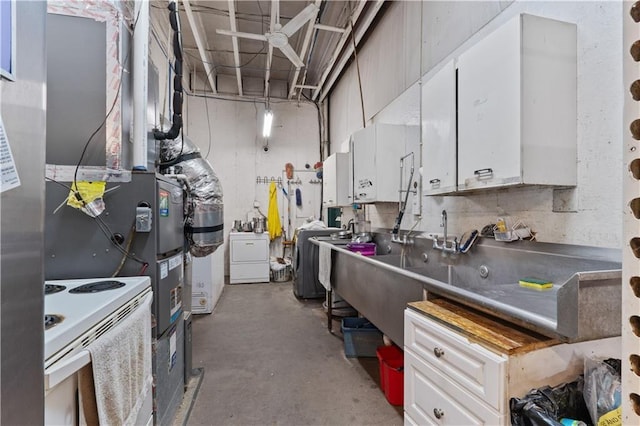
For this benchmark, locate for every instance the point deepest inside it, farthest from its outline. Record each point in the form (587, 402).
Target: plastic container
(391, 361)
(361, 338)
(365, 249)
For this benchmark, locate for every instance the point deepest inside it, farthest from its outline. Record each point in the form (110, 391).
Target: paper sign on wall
(10, 178)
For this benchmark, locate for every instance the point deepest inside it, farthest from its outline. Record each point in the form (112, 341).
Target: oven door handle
(62, 369)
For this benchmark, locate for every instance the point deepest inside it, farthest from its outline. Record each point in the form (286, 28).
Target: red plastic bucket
(391, 362)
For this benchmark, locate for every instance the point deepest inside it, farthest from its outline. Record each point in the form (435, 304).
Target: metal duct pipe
(204, 219)
(140, 84)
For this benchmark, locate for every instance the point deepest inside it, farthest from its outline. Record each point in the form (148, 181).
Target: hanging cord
(206, 106)
(104, 228)
(355, 55)
(127, 247)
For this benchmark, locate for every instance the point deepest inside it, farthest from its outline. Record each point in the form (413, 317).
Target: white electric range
(77, 312)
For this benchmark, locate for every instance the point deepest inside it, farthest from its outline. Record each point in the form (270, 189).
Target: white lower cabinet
(453, 379)
(248, 257)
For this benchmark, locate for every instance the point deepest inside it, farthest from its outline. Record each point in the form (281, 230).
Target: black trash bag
(547, 405)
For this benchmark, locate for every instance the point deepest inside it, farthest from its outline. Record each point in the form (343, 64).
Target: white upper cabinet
(517, 106)
(335, 180)
(377, 151)
(439, 132)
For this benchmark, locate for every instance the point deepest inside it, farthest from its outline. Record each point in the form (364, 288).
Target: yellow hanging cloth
(273, 217)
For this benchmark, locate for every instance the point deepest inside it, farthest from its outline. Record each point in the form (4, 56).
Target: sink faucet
(445, 247)
(443, 224)
(351, 226)
(405, 239)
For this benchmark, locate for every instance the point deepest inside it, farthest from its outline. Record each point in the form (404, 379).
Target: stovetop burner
(53, 288)
(51, 320)
(97, 287)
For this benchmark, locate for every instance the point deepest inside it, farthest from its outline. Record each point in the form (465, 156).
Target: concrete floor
(269, 359)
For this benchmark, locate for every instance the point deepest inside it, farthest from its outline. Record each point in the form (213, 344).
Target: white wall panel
(389, 63)
(382, 60)
(450, 28)
(345, 112)
(447, 24)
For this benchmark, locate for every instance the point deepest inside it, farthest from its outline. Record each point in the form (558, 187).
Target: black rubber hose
(176, 127)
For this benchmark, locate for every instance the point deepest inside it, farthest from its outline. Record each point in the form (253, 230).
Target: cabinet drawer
(256, 250)
(431, 398)
(476, 369)
(249, 273)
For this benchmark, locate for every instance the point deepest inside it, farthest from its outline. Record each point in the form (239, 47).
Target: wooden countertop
(489, 331)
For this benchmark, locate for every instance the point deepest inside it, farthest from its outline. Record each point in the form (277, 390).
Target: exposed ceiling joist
(198, 30)
(329, 28)
(234, 42)
(305, 46)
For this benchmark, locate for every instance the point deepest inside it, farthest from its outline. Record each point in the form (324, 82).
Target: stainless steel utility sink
(583, 304)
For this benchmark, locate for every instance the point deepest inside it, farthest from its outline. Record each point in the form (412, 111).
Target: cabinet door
(489, 112)
(329, 182)
(335, 180)
(364, 165)
(248, 272)
(393, 142)
(430, 398)
(439, 132)
(249, 250)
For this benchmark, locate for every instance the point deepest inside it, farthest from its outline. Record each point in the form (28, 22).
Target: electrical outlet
(143, 219)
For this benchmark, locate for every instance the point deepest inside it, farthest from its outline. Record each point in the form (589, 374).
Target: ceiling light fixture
(266, 125)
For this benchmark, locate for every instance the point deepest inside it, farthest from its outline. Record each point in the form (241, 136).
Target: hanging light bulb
(266, 125)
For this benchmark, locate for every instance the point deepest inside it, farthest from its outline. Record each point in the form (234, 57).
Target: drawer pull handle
(438, 413)
(483, 173)
(434, 181)
(438, 352)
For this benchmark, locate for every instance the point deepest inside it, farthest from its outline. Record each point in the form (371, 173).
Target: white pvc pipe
(140, 84)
